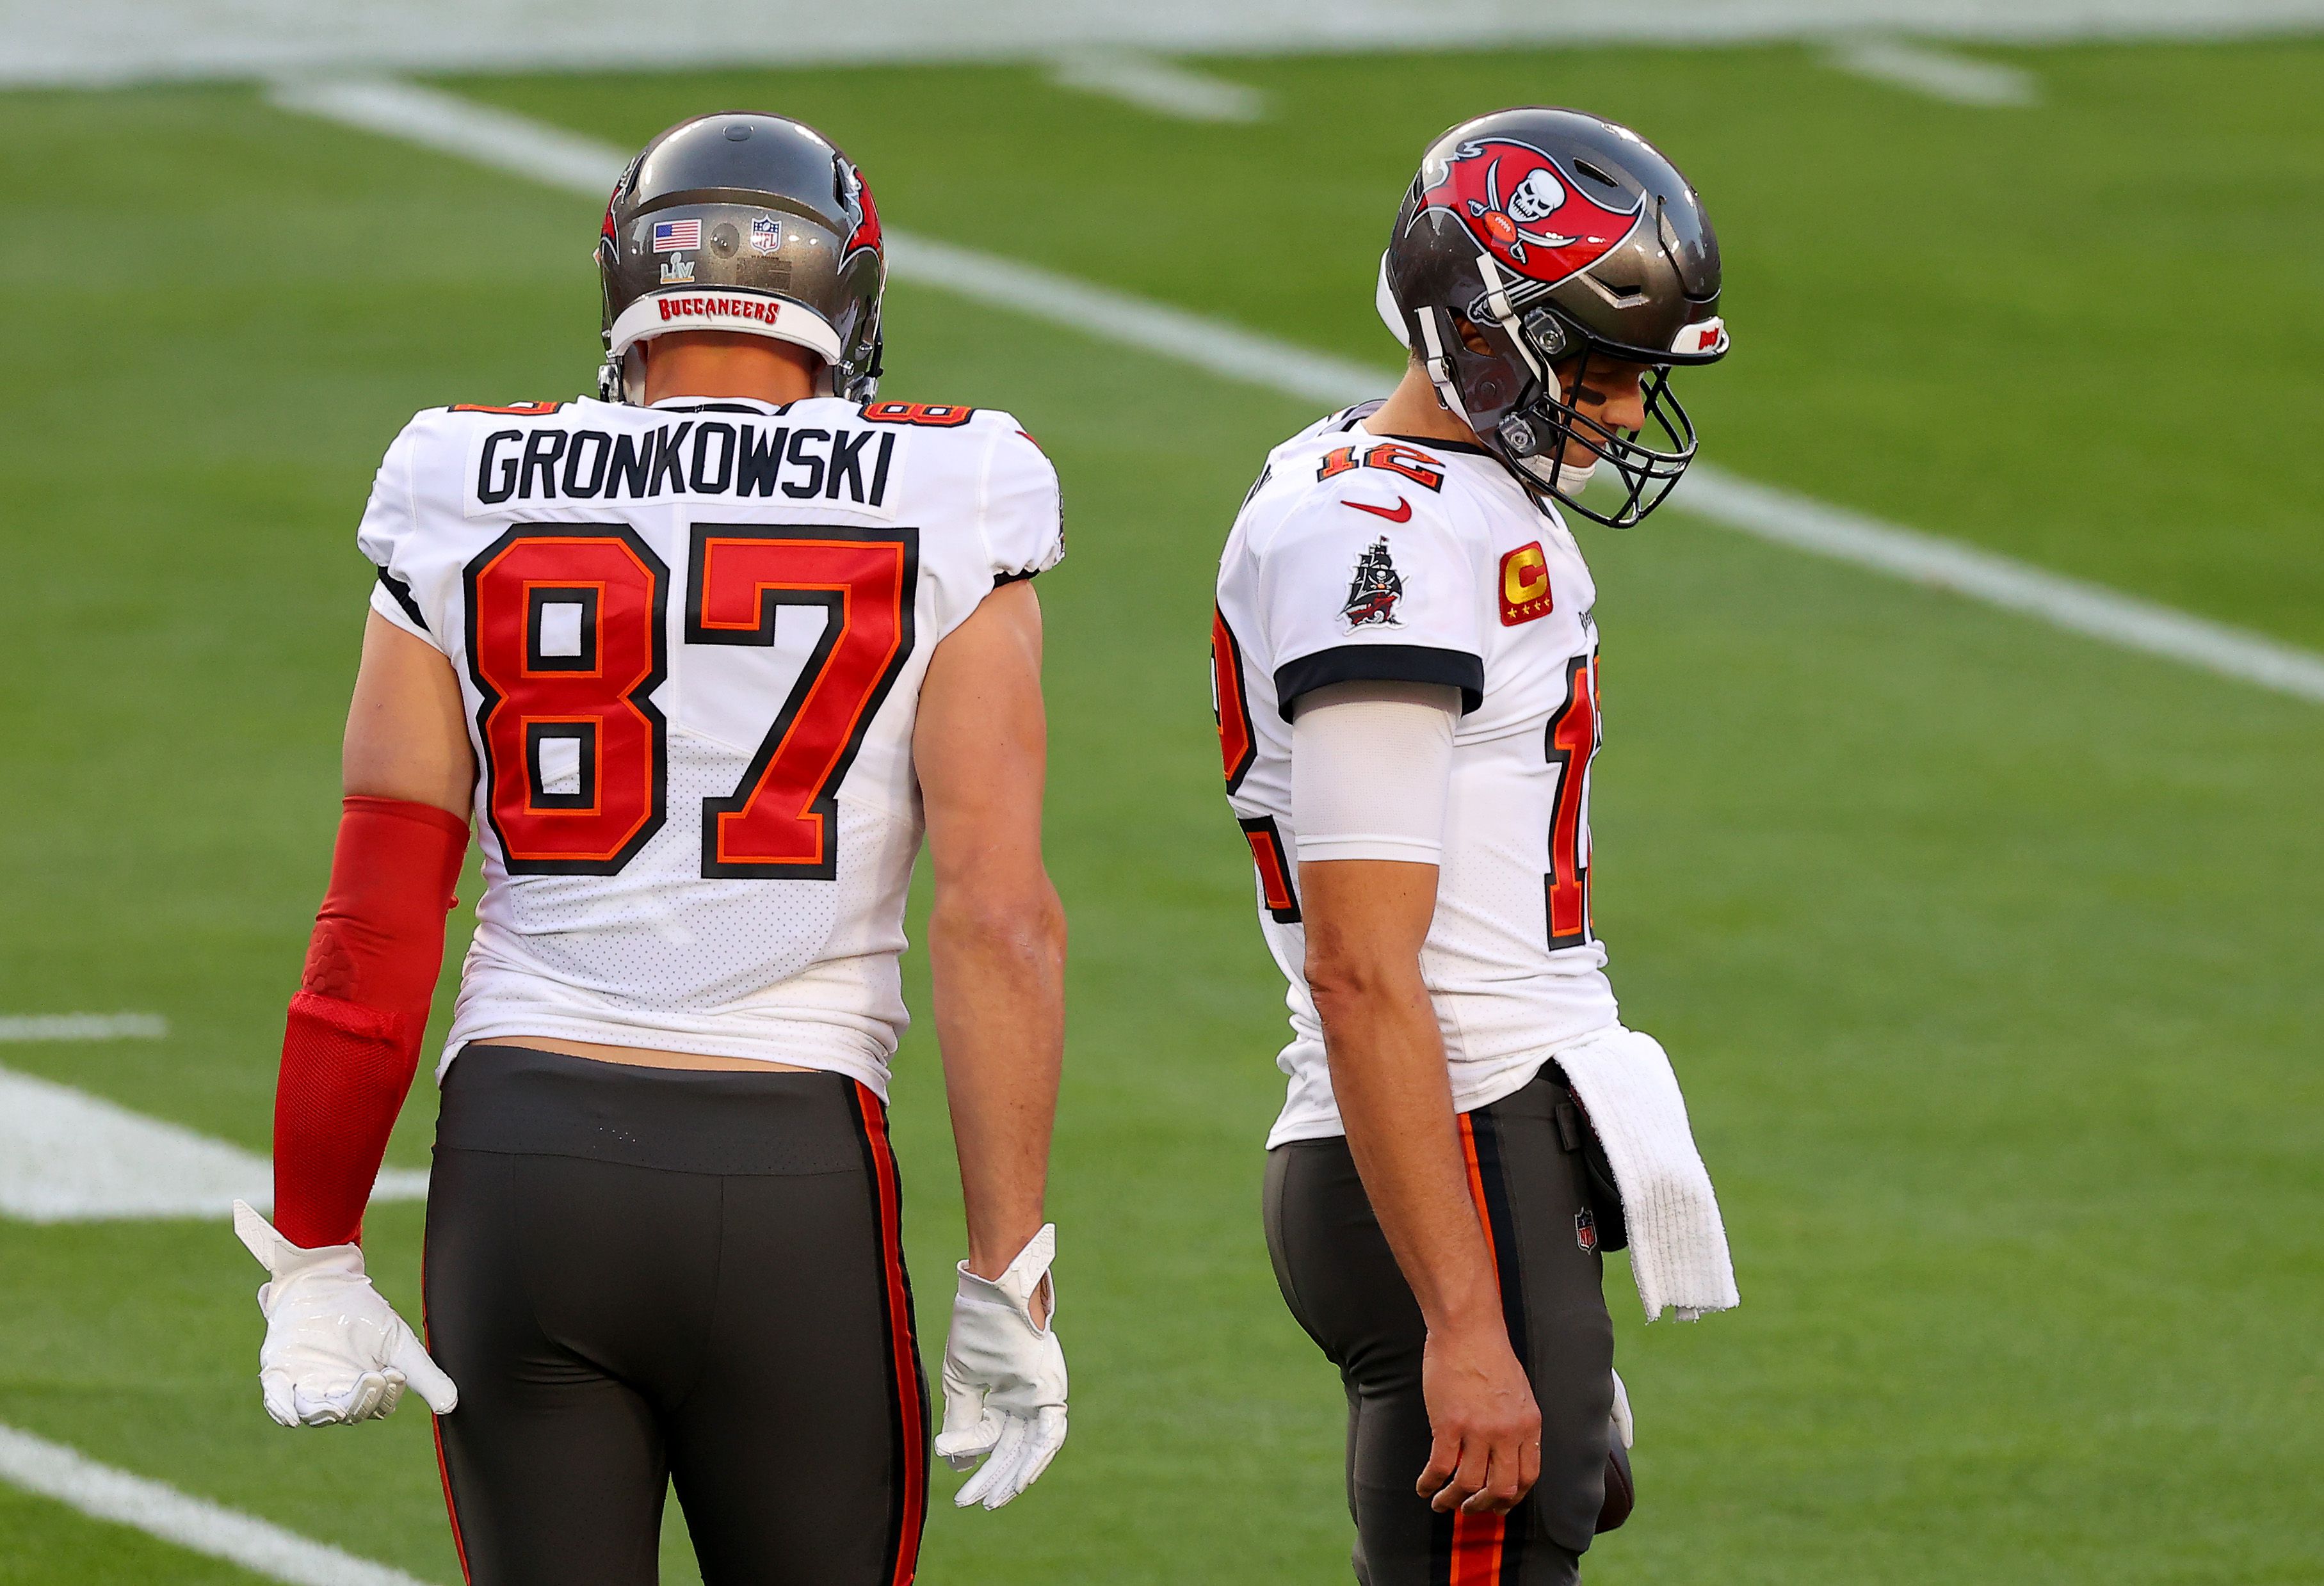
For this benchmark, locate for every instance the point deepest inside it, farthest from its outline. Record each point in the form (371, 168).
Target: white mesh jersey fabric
(1489, 593)
(668, 945)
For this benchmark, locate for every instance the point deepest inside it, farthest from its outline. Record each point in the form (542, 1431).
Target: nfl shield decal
(766, 234)
(1526, 212)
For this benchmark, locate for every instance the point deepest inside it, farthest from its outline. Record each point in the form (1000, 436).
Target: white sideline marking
(512, 144)
(195, 1524)
(1163, 86)
(1937, 73)
(68, 1157)
(83, 1026)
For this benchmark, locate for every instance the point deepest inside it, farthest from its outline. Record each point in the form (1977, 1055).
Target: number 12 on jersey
(605, 593)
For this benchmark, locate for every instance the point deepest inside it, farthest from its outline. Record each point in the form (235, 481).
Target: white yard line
(1940, 74)
(526, 148)
(68, 1157)
(2074, 604)
(104, 1493)
(1212, 346)
(1162, 87)
(83, 1026)
(462, 128)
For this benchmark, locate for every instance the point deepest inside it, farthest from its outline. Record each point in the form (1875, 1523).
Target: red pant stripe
(436, 1426)
(1477, 1539)
(904, 1364)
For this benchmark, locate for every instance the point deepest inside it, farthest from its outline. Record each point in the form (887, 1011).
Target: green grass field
(1988, 955)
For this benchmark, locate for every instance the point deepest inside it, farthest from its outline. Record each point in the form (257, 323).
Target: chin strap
(1439, 364)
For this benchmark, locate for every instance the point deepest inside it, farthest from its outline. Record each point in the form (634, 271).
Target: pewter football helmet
(743, 221)
(1557, 237)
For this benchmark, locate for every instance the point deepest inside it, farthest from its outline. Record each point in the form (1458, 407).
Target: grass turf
(1987, 953)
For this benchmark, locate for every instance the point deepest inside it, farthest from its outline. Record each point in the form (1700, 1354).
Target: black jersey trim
(1025, 577)
(401, 592)
(1442, 444)
(1382, 663)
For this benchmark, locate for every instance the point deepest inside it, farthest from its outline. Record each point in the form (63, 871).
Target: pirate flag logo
(1526, 212)
(862, 215)
(1374, 591)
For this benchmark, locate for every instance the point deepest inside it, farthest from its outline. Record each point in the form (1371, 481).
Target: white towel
(1678, 1245)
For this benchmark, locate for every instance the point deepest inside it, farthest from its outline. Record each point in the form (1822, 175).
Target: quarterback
(704, 661)
(1406, 660)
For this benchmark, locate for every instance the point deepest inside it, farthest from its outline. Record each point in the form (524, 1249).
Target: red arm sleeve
(353, 1041)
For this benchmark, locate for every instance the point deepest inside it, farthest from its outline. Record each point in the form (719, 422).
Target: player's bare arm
(997, 954)
(405, 738)
(1367, 920)
(997, 931)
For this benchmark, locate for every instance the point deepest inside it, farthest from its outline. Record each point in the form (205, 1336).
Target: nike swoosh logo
(1401, 513)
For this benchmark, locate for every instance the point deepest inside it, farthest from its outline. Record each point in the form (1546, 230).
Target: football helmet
(1532, 243)
(750, 223)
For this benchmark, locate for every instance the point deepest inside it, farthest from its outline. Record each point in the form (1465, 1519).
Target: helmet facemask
(1534, 428)
(1537, 243)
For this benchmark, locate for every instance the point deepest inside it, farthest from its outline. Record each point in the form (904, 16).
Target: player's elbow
(1012, 917)
(1354, 984)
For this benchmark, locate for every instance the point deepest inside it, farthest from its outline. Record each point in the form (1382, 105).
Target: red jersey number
(566, 642)
(782, 819)
(1237, 738)
(1572, 741)
(568, 638)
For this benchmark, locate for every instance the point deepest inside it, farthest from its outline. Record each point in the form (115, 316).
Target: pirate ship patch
(1375, 591)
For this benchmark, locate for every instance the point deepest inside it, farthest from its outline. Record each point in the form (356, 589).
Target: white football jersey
(690, 640)
(1359, 557)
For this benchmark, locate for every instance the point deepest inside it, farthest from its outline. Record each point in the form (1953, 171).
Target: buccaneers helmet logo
(1526, 212)
(862, 215)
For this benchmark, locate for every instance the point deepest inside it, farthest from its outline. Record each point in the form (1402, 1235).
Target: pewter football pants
(1342, 1284)
(644, 1276)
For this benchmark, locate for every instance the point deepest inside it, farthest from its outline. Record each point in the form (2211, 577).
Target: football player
(1406, 657)
(704, 660)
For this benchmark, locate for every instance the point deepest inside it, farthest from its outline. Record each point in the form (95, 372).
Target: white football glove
(1004, 1379)
(335, 1351)
(1622, 1409)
